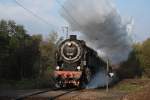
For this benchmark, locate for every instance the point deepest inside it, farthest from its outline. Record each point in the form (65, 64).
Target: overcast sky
(48, 10)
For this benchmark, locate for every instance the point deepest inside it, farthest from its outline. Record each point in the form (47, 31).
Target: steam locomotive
(76, 63)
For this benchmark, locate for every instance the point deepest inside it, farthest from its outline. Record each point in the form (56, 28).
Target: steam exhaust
(100, 80)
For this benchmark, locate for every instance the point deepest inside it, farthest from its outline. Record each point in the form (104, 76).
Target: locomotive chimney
(73, 37)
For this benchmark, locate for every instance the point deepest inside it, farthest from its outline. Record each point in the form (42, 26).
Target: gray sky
(48, 10)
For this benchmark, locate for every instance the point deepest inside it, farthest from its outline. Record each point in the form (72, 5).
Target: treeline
(138, 63)
(23, 56)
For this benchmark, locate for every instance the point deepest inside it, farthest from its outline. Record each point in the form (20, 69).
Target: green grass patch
(129, 87)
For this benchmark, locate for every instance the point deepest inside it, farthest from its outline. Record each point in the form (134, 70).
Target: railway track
(68, 94)
(50, 97)
(75, 94)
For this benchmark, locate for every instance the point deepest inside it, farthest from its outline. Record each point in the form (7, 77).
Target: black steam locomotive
(76, 63)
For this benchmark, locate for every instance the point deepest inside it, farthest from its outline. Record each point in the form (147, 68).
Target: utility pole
(107, 77)
(65, 30)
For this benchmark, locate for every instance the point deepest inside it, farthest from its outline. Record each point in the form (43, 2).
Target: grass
(131, 85)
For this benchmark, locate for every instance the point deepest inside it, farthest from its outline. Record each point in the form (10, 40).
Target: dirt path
(94, 94)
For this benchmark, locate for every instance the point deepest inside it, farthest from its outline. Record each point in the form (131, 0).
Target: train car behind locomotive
(76, 63)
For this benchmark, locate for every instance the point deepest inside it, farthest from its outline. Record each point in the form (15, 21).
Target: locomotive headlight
(69, 44)
(78, 68)
(57, 68)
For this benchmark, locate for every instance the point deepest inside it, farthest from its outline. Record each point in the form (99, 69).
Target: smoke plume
(101, 25)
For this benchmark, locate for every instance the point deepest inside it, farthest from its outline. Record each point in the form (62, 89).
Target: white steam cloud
(99, 80)
(102, 27)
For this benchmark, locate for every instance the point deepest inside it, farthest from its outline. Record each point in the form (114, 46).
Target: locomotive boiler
(76, 63)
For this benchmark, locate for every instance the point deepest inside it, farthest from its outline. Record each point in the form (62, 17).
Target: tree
(19, 52)
(47, 49)
(131, 68)
(144, 57)
(4, 47)
(138, 62)
(23, 56)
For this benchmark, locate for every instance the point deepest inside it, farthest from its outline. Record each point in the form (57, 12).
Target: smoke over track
(101, 26)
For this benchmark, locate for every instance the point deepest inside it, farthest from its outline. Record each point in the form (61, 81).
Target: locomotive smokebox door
(73, 37)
